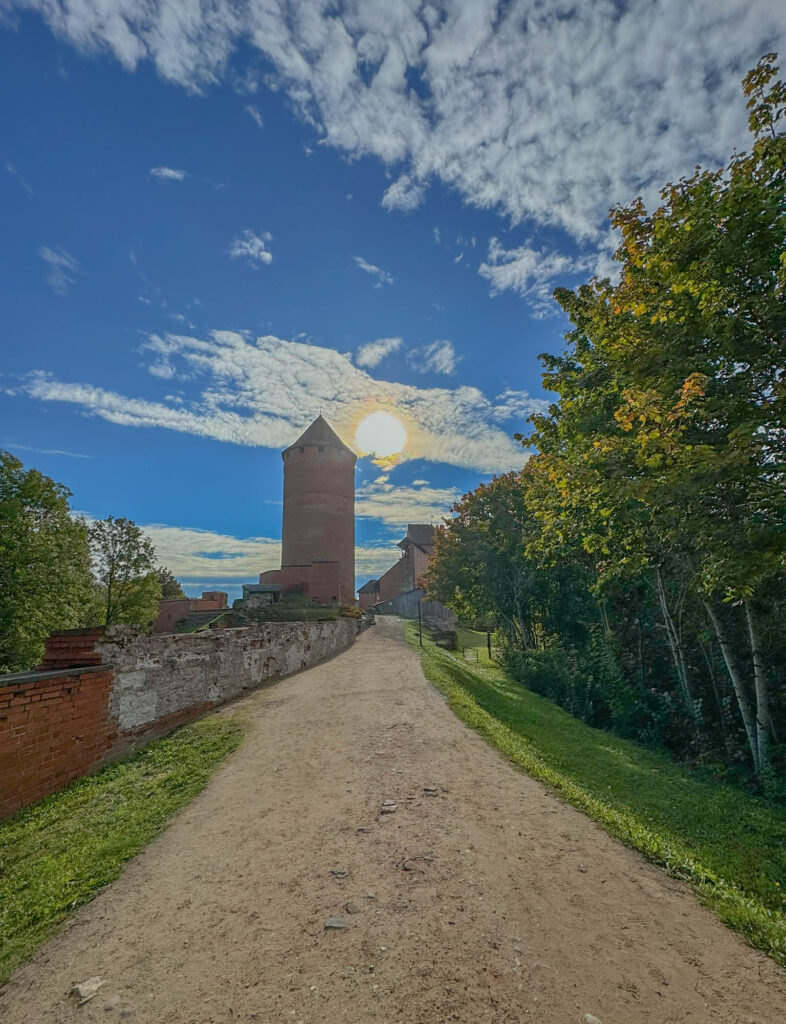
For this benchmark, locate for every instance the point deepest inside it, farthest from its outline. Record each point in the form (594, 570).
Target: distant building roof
(319, 433)
(421, 534)
(368, 588)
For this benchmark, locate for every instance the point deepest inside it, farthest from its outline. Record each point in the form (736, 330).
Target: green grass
(58, 853)
(472, 639)
(730, 845)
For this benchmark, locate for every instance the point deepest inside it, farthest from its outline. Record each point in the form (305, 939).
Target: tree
(667, 448)
(170, 587)
(45, 581)
(124, 564)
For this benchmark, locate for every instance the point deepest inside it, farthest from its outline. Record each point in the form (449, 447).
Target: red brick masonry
(54, 727)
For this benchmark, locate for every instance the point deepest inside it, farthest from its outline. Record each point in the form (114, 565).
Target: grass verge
(58, 853)
(730, 846)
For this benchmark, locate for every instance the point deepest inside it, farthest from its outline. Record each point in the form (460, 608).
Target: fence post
(488, 643)
(420, 624)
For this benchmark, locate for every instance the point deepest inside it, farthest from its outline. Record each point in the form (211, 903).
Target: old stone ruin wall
(101, 693)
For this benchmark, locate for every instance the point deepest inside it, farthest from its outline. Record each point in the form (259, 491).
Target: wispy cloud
(205, 554)
(252, 248)
(42, 451)
(438, 357)
(63, 268)
(22, 182)
(382, 276)
(264, 391)
(373, 352)
(512, 404)
(548, 113)
(168, 174)
(255, 116)
(395, 506)
(404, 194)
(531, 273)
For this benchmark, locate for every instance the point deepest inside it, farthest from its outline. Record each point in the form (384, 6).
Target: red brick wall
(54, 728)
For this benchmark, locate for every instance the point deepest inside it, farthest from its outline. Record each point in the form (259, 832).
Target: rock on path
(511, 906)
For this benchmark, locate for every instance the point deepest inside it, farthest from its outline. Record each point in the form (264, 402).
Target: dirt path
(490, 901)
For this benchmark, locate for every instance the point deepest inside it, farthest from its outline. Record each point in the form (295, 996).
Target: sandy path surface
(489, 901)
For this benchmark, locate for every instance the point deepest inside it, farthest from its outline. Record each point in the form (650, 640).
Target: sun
(381, 434)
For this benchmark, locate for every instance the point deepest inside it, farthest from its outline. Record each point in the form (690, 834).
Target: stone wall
(160, 677)
(101, 693)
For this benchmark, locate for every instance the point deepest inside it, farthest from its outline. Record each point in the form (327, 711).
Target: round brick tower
(318, 525)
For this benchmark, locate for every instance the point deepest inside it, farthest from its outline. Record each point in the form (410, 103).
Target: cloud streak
(382, 276)
(168, 174)
(263, 392)
(63, 268)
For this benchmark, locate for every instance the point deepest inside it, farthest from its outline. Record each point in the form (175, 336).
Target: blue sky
(218, 225)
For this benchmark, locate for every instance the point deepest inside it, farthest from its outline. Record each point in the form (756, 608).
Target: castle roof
(319, 433)
(421, 534)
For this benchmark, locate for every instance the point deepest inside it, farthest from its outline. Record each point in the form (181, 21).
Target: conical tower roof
(319, 433)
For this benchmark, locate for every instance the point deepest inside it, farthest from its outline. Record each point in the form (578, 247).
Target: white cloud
(252, 248)
(438, 357)
(23, 183)
(530, 272)
(372, 353)
(396, 506)
(168, 174)
(404, 194)
(204, 554)
(43, 451)
(263, 392)
(255, 116)
(382, 276)
(517, 405)
(549, 111)
(63, 268)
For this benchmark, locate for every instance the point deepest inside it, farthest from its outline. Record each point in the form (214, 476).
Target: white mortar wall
(163, 674)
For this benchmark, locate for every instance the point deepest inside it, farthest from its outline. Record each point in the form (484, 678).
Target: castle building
(318, 524)
(417, 549)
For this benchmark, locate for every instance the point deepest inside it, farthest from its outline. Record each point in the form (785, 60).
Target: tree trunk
(675, 645)
(737, 682)
(763, 724)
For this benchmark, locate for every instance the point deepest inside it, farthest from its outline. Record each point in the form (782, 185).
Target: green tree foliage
(45, 581)
(659, 473)
(124, 564)
(170, 587)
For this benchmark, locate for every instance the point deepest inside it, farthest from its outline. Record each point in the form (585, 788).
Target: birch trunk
(737, 682)
(675, 645)
(762, 697)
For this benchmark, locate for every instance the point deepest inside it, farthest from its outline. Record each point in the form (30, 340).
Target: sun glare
(381, 434)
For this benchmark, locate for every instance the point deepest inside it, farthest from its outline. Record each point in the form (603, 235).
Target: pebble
(111, 1003)
(335, 923)
(590, 1018)
(408, 865)
(352, 908)
(339, 873)
(388, 807)
(583, 870)
(364, 830)
(86, 990)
